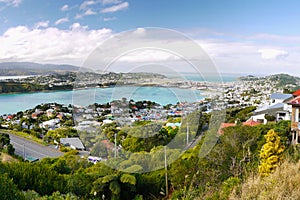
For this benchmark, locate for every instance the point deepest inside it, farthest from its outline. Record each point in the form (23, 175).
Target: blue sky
(240, 36)
(230, 16)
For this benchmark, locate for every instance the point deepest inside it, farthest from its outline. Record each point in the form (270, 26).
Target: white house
(277, 107)
(74, 143)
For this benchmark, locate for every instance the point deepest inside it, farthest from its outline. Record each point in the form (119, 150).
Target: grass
(282, 184)
(24, 135)
(5, 158)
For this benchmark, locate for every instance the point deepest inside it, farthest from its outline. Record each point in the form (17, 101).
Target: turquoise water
(12, 103)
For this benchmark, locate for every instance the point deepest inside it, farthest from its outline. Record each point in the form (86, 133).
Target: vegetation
(271, 153)
(7, 87)
(282, 184)
(229, 170)
(241, 114)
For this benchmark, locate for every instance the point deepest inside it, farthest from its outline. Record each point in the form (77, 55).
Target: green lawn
(24, 135)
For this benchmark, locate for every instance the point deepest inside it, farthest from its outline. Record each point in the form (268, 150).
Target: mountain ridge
(31, 68)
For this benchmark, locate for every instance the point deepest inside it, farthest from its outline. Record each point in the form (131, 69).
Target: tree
(270, 118)
(60, 133)
(271, 153)
(8, 190)
(4, 140)
(99, 150)
(120, 185)
(10, 149)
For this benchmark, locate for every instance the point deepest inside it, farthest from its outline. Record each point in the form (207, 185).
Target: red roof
(295, 101)
(225, 125)
(247, 123)
(297, 93)
(251, 123)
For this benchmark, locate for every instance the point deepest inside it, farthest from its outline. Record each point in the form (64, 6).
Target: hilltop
(280, 80)
(30, 68)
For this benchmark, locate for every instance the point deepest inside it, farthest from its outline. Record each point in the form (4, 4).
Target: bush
(282, 184)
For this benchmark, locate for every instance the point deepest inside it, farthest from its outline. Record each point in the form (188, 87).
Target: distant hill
(284, 79)
(281, 80)
(29, 68)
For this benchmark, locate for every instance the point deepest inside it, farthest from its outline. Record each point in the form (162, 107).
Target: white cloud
(148, 56)
(14, 3)
(121, 6)
(107, 2)
(42, 24)
(109, 19)
(87, 3)
(74, 45)
(50, 45)
(86, 13)
(64, 7)
(61, 21)
(78, 27)
(272, 54)
(90, 12)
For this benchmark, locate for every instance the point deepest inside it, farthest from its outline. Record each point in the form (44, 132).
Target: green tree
(10, 149)
(119, 185)
(60, 133)
(271, 153)
(8, 190)
(4, 140)
(100, 150)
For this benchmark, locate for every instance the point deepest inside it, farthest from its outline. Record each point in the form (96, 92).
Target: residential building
(295, 121)
(74, 143)
(278, 107)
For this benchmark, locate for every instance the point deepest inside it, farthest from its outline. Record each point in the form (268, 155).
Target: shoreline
(111, 86)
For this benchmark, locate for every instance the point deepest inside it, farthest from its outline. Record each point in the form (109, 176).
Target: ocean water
(12, 103)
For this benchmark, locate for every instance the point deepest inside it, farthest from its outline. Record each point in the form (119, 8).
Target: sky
(247, 37)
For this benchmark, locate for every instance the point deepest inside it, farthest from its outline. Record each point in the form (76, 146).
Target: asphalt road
(32, 149)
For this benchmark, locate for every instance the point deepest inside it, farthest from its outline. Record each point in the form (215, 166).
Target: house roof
(277, 105)
(296, 93)
(280, 96)
(75, 142)
(251, 123)
(247, 123)
(269, 111)
(295, 101)
(225, 125)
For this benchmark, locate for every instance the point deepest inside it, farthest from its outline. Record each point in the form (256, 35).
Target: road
(31, 148)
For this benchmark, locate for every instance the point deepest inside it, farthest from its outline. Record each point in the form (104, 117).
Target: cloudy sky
(249, 36)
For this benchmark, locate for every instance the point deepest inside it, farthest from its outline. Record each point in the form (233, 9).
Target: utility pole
(187, 133)
(166, 168)
(24, 153)
(115, 145)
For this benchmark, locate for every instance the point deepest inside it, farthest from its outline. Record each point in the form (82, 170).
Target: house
(295, 121)
(225, 125)
(74, 143)
(280, 98)
(278, 108)
(49, 112)
(296, 93)
(250, 122)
